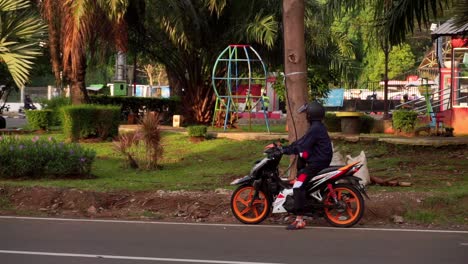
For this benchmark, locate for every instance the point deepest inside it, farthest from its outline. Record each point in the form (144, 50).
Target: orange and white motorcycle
(335, 193)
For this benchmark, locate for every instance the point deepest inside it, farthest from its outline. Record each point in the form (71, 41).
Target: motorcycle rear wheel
(350, 208)
(246, 212)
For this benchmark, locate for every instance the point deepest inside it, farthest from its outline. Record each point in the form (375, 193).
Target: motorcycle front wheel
(248, 209)
(348, 210)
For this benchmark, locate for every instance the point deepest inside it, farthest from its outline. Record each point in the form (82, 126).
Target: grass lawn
(206, 165)
(213, 164)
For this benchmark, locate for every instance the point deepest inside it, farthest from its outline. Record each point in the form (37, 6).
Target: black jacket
(314, 147)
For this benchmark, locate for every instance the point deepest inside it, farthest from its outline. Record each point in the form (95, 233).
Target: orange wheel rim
(353, 207)
(242, 208)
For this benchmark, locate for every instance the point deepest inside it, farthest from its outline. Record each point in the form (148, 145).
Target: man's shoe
(296, 225)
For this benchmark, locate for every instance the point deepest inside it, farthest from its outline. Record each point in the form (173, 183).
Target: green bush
(39, 119)
(404, 120)
(130, 104)
(90, 121)
(332, 122)
(55, 104)
(367, 123)
(197, 131)
(36, 157)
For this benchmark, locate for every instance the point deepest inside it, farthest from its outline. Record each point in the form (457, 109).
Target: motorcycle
(334, 193)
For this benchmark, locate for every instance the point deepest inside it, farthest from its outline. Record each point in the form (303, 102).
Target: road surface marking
(227, 225)
(54, 254)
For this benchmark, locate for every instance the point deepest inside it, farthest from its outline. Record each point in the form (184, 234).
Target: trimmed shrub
(404, 120)
(197, 131)
(36, 158)
(332, 122)
(367, 123)
(39, 119)
(130, 104)
(55, 104)
(90, 121)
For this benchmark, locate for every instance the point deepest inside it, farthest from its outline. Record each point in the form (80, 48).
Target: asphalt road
(32, 240)
(15, 122)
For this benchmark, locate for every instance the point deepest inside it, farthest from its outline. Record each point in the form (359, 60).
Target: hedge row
(39, 119)
(129, 104)
(90, 121)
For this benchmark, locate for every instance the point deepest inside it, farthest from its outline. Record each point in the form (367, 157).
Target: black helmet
(315, 111)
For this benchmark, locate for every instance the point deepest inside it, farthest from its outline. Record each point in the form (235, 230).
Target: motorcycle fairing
(278, 204)
(258, 166)
(321, 178)
(280, 200)
(242, 180)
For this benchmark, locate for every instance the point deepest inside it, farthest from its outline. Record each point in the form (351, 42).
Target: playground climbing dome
(239, 81)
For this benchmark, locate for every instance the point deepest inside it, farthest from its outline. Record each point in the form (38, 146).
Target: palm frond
(20, 35)
(397, 18)
(263, 30)
(18, 58)
(116, 8)
(12, 5)
(216, 6)
(24, 26)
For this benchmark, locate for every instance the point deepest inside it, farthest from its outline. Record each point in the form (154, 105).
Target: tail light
(356, 168)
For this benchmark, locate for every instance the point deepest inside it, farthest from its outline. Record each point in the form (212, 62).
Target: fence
(34, 92)
(375, 91)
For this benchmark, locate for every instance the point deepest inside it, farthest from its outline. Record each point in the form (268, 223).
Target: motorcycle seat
(331, 168)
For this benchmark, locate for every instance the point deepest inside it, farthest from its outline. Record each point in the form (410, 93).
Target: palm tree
(87, 25)
(20, 32)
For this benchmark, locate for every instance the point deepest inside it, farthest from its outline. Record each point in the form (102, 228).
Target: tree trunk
(54, 48)
(78, 93)
(199, 108)
(386, 50)
(51, 13)
(295, 69)
(174, 83)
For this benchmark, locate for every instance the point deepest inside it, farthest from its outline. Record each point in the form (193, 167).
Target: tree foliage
(82, 28)
(401, 61)
(20, 32)
(187, 36)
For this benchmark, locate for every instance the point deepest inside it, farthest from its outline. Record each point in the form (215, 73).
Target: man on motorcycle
(315, 151)
(28, 103)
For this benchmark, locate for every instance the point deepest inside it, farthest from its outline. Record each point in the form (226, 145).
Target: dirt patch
(207, 206)
(170, 205)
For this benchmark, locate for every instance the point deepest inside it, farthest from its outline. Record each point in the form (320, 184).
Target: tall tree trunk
(199, 108)
(51, 13)
(174, 83)
(295, 69)
(78, 93)
(55, 59)
(386, 50)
